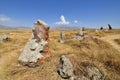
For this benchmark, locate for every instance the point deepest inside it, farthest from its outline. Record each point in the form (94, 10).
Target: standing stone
(101, 28)
(65, 68)
(80, 33)
(83, 28)
(41, 30)
(62, 37)
(110, 27)
(36, 50)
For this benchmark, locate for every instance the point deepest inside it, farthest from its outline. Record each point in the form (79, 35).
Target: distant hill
(14, 27)
(65, 27)
(4, 27)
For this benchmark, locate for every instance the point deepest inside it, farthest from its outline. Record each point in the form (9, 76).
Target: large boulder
(65, 67)
(36, 50)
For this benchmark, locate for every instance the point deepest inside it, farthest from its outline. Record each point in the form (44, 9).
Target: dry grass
(117, 41)
(99, 53)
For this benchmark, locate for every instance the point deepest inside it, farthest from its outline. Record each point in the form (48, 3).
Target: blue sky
(88, 13)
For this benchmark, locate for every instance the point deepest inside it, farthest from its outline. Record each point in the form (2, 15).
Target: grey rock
(80, 32)
(33, 51)
(89, 72)
(65, 68)
(4, 37)
(29, 55)
(94, 73)
(76, 37)
(62, 37)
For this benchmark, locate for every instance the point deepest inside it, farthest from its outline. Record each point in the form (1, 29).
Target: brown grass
(117, 41)
(101, 54)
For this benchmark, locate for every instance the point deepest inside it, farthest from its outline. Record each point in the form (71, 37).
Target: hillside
(101, 53)
(14, 27)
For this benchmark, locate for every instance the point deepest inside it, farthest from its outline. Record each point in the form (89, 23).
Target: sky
(86, 13)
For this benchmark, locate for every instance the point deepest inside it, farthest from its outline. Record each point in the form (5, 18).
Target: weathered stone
(96, 31)
(77, 37)
(65, 68)
(41, 31)
(88, 71)
(29, 55)
(62, 37)
(101, 28)
(94, 73)
(83, 28)
(110, 27)
(80, 32)
(81, 35)
(36, 49)
(4, 37)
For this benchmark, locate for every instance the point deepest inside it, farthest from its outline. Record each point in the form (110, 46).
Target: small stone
(4, 37)
(62, 37)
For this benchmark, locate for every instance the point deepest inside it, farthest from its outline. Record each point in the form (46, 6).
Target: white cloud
(75, 21)
(4, 18)
(63, 21)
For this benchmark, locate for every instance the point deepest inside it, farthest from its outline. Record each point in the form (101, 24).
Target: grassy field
(100, 53)
(117, 41)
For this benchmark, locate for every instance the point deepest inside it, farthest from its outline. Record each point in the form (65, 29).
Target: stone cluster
(82, 35)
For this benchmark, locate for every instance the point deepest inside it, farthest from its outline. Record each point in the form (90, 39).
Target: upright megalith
(110, 27)
(101, 28)
(62, 37)
(36, 50)
(80, 32)
(41, 30)
(83, 28)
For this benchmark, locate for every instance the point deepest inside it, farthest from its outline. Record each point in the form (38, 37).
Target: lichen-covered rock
(4, 37)
(31, 52)
(77, 37)
(62, 37)
(40, 30)
(88, 71)
(80, 33)
(65, 68)
(36, 49)
(94, 73)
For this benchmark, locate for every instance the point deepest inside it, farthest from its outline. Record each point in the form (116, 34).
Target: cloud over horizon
(63, 21)
(75, 21)
(4, 18)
